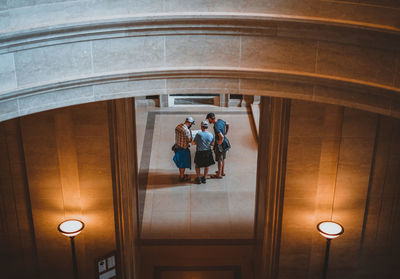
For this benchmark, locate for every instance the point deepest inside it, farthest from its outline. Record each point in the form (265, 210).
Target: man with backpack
(222, 144)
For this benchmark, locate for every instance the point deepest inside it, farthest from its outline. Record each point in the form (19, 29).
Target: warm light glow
(71, 227)
(330, 229)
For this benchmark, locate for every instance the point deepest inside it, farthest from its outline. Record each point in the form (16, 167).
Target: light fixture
(329, 230)
(72, 228)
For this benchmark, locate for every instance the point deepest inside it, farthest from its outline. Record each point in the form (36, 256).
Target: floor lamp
(329, 230)
(72, 228)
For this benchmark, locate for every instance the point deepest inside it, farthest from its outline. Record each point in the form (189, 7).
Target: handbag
(175, 147)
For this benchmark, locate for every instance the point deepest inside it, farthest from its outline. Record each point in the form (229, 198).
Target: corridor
(219, 209)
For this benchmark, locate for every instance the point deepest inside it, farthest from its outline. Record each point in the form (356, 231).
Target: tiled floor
(221, 208)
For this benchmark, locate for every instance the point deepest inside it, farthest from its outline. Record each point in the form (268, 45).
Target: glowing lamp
(330, 229)
(71, 227)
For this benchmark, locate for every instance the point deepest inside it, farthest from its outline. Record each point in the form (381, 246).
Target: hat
(190, 120)
(210, 115)
(204, 124)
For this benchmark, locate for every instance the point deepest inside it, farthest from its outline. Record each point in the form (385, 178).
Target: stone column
(125, 172)
(272, 150)
(223, 100)
(163, 101)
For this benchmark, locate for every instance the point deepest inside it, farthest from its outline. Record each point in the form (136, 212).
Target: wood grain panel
(330, 155)
(188, 272)
(381, 228)
(18, 253)
(69, 175)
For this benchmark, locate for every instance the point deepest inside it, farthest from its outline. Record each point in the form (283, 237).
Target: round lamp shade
(71, 227)
(330, 229)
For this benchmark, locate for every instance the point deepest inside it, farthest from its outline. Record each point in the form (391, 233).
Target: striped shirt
(183, 136)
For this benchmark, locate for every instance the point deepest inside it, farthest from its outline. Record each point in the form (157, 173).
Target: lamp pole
(72, 228)
(74, 263)
(329, 230)
(328, 246)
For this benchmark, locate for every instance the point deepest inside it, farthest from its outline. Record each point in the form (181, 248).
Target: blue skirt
(182, 158)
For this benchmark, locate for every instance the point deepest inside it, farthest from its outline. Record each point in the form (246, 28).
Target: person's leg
(218, 172)
(197, 171)
(223, 167)
(205, 171)
(186, 162)
(197, 179)
(218, 159)
(182, 173)
(203, 178)
(219, 168)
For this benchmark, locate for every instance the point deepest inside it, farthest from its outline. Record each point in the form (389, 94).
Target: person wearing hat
(203, 158)
(221, 145)
(183, 137)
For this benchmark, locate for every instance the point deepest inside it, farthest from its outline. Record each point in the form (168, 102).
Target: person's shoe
(186, 177)
(197, 180)
(203, 179)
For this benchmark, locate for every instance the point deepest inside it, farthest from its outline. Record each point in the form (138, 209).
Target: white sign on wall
(107, 267)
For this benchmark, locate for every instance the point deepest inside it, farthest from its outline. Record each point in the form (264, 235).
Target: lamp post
(72, 228)
(329, 230)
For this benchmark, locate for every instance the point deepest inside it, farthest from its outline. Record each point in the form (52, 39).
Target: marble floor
(221, 208)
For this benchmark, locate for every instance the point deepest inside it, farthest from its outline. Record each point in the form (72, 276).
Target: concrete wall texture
(60, 53)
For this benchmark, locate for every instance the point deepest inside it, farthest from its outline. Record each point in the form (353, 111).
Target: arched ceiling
(341, 58)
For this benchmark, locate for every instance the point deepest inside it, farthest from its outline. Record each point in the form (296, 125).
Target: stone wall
(60, 53)
(23, 14)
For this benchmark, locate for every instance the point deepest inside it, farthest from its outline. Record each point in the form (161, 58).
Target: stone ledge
(238, 24)
(313, 87)
(203, 72)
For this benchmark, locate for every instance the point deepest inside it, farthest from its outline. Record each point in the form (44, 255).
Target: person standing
(221, 145)
(183, 137)
(203, 157)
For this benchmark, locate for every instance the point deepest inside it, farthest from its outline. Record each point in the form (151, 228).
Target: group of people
(205, 142)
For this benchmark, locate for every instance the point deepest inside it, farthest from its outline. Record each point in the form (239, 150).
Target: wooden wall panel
(330, 155)
(94, 168)
(313, 146)
(17, 239)
(342, 164)
(69, 174)
(41, 154)
(380, 243)
(352, 182)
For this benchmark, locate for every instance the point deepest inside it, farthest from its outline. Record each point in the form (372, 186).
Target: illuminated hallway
(221, 208)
